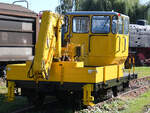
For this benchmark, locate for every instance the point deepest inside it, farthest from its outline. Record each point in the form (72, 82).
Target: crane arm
(48, 40)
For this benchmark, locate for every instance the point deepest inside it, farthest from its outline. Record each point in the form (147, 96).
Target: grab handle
(118, 37)
(125, 42)
(22, 1)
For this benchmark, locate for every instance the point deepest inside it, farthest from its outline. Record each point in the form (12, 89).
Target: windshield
(81, 24)
(114, 24)
(120, 25)
(65, 26)
(126, 26)
(100, 24)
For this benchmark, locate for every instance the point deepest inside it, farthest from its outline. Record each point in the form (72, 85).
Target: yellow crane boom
(49, 42)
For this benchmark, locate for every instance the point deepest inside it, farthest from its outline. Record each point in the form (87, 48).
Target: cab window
(114, 24)
(65, 26)
(81, 24)
(120, 25)
(101, 24)
(126, 26)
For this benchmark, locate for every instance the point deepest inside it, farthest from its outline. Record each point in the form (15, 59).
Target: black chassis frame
(50, 88)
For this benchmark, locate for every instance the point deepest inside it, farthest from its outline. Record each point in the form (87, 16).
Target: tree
(68, 5)
(65, 6)
(132, 8)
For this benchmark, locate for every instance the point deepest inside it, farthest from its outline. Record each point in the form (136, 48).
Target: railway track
(23, 110)
(135, 92)
(34, 109)
(137, 87)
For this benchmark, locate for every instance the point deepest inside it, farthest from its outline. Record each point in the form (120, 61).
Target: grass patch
(8, 107)
(141, 71)
(3, 88)
(137, 105)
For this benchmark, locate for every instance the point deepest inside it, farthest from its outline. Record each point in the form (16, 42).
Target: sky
(37, 5)
(40, 5)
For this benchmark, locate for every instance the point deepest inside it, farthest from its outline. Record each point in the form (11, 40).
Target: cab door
(122, 38)
(120, 35)
(125, 36)
(79, 33)
(100, 41)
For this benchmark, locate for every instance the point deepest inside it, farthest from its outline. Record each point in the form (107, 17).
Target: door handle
(118, 37)
(125, 42)
(89, 46)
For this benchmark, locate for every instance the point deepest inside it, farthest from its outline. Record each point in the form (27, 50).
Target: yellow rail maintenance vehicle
(85, 65)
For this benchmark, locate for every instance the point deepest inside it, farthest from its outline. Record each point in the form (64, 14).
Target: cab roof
(94, 13)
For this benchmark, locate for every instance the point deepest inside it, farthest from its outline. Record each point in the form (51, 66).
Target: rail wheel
(115, 91)
(71, 99)
(36, 99)
(103, 94)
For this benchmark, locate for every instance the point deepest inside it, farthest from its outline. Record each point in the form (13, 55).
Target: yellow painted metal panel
(72, 72)
(111, 72)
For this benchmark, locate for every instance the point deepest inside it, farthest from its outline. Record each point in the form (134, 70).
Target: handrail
(22, 1)
(89, 46)
(119, 43)
(125, 42)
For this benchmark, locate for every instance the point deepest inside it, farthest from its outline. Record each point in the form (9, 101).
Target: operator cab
(102, 36)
